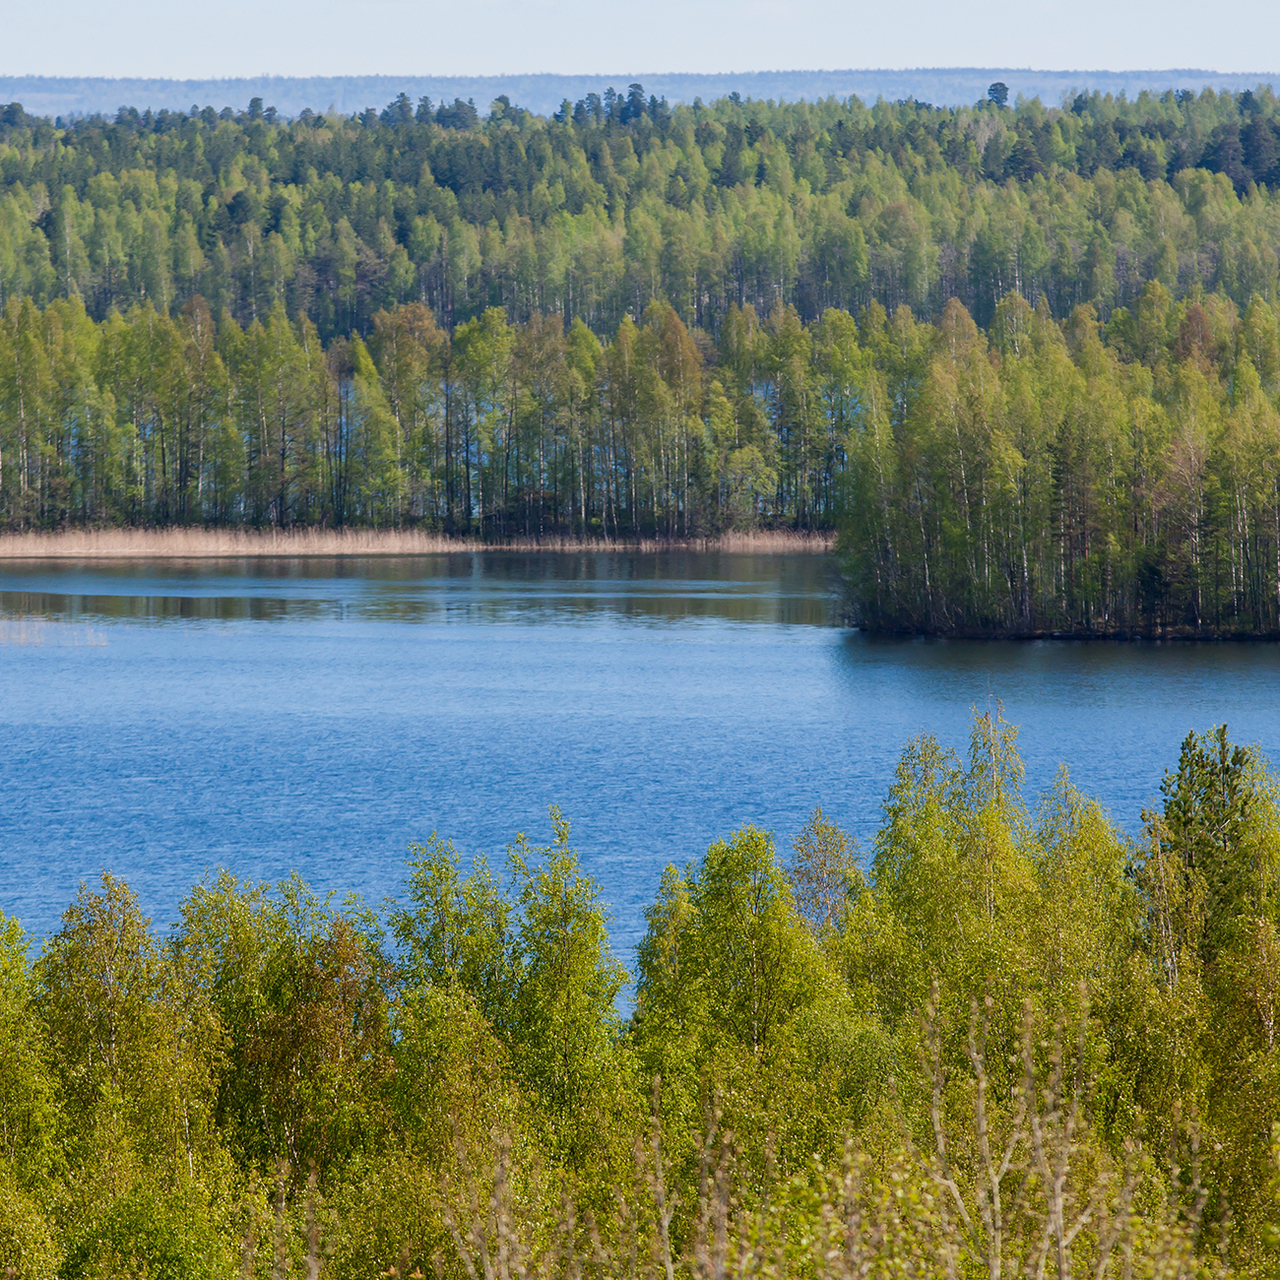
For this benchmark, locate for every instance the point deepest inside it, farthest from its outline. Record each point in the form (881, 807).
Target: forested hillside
(622, 201)
(1028, 360)
(1019, 1045)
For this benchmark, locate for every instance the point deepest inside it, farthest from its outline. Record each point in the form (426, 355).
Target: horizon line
(562, 75)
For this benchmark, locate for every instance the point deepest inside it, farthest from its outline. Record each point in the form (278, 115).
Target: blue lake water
(161, 719)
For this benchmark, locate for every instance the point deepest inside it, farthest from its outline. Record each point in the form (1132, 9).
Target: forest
(620, 200)
(1026, 360)
(1010, 1040)
(1039, 477)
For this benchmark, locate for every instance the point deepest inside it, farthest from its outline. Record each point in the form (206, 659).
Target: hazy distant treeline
(1017, 1043)
(70, 96)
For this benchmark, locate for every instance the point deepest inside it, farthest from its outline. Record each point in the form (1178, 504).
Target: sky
(156, 38)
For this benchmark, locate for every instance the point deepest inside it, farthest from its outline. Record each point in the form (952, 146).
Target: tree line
(1038, 476)
(496, 429)
(620, 200)
(1098, 480)
(1018, 1042)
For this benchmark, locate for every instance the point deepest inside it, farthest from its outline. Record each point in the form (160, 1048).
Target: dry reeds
(179, 544)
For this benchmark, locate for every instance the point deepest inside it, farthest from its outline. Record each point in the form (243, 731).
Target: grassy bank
(82, 544)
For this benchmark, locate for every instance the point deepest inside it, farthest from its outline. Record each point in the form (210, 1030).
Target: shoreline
(1126, 635)
(210, 544)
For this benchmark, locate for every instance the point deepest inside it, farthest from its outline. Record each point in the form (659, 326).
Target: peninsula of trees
(1020, 1044)
(1027, 359)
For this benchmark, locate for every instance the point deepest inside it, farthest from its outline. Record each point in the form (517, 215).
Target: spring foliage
(1017, 1042)
(632, 321)
(1040, 476)
(619, 201)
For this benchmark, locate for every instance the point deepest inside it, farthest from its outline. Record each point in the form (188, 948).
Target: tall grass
(231, 543)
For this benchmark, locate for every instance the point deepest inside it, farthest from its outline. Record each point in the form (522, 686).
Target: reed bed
(88, 544)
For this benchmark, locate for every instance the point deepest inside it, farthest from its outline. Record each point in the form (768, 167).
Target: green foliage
(397, 318)
(606, 207)
(29, 1096)
(738, 1009)
(563, 1023)
(1016, 1041)
(157, 1232)
(1227, 854)
(531, 963)
(454, 933)
(1037, 479)
(824, 872)
(134, 1044)
(298, 993)
(28, 1244)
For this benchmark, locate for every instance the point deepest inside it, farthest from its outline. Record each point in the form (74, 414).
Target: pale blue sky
(479, 37)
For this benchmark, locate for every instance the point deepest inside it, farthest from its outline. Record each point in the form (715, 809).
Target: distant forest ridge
(54, 96)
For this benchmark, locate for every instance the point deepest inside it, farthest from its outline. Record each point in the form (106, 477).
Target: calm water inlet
(161, 719)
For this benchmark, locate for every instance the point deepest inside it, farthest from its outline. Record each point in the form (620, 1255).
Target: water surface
(164, 718)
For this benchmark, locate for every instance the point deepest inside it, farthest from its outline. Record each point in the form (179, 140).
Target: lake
(163, 718)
